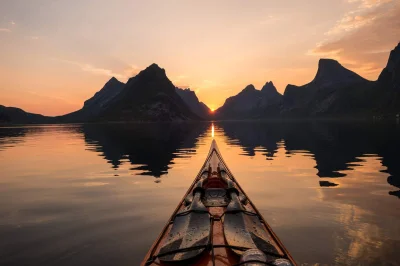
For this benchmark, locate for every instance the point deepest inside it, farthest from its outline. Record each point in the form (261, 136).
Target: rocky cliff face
(100, 100)
(96, 104)
(334, 90)
(149, 96)
(389, 85)
(191, 100)
(251, 103)
(390, 75)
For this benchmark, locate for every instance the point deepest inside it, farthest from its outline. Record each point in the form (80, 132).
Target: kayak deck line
(216, 224)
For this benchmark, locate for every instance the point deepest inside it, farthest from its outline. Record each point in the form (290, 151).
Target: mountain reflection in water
(335, 147)
(99, 194)
(149, 147)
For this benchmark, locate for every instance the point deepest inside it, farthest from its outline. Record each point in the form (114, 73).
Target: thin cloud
(352, 22)
(40, 103)
(370, 3)
(12, 22)
(366, 49)
(270, 19)
(131, 71)
(5, 30)
(180, 81)
(366, 13)
(52, 97)
(96, 70)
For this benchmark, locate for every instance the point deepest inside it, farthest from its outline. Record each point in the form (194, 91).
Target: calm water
(100, 194)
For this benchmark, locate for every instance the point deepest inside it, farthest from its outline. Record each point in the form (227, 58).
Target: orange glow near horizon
(52, 72)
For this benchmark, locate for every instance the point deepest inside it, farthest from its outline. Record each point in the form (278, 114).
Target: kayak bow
(216, 224)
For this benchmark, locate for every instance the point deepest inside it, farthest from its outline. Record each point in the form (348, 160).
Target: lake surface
(100, 194)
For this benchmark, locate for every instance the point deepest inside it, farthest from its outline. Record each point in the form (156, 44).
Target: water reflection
(335, 147)
(80, 194)
(150, 148)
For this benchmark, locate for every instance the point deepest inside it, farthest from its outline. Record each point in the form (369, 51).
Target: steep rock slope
(251, 103)
(335, 90)
(96, 104)
(149, 96)
(389, 85)
(191, 100)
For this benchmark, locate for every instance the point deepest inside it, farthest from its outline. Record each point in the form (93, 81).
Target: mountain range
(150, 96)
(335, 91)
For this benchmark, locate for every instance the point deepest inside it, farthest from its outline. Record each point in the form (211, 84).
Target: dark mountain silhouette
(149, 96)
(197, 107)
(97, 104)
(251, 103)
(100, 100)
(18, 116)
(390, 75)
(335, 90)
(389, 84)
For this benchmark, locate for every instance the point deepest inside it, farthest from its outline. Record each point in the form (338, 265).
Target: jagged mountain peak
(269, 87)
(154, 66)
(248, 88)
(190, 98)
(152, 71)
(112, 82)
(113, 79)
(150, 95)
(188, 90)
(101, 98)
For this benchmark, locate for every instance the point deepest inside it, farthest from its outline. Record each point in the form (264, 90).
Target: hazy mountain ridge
(18, 116)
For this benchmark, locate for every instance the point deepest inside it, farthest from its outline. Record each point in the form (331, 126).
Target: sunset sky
(56, 54)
